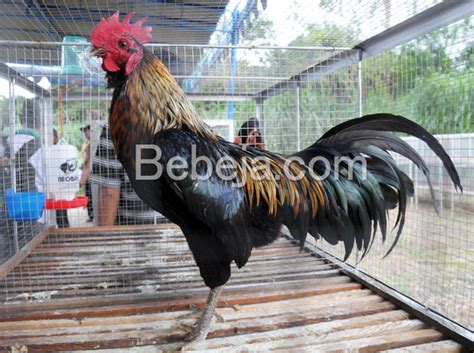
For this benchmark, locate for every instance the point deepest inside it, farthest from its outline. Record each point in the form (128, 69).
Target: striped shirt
(107, 171)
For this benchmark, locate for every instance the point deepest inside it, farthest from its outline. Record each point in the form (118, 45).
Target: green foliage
(73, 134)
(442, 102)
(261, 32)
(323, 103)
(327, 36)
(423, 84)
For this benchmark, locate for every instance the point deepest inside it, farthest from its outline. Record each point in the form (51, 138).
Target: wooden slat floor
(138, 290)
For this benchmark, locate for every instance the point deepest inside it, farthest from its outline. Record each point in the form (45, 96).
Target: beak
(97, 52)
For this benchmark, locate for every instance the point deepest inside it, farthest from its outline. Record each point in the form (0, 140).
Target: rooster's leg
(204, 323)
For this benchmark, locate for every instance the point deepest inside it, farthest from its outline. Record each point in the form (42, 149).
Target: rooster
(224, 215)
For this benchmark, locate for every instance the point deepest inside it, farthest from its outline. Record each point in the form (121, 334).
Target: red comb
(112, 25)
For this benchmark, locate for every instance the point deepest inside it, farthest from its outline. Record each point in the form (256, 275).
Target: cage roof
(190, 22)
(174, 21)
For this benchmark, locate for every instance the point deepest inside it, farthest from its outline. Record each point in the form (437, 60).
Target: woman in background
(249, 134)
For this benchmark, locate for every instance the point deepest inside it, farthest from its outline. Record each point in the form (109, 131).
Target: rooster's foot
(204, 323)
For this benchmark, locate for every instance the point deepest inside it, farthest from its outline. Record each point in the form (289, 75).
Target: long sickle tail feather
(365, 203)
(397, 123)
(349, 141)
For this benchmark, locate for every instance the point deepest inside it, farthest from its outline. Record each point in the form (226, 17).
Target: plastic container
(24, 206)
(63, 173)
(78, 201)
(70, 55)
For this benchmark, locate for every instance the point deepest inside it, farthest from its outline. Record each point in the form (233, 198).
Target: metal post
(260, 116)
(441, 188)
(298, 118)
(47, 126)
(12, 120)
(233, 63)
(359, 92)
(359, 86)
(411, 175)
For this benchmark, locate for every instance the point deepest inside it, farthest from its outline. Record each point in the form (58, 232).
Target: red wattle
(109, 65)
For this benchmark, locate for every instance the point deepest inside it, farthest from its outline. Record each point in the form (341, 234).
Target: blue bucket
(24, 206)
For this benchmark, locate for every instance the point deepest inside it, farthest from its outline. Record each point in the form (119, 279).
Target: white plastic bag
(63, 173)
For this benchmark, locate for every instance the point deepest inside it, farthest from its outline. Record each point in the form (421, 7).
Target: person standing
(116, 201)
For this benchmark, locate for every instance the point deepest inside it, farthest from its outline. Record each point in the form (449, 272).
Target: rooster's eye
(123, 44)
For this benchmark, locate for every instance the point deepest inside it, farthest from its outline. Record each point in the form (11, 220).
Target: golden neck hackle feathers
(156, 97)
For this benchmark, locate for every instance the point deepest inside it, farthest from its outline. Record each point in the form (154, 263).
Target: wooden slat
(68, 303)
(152, 276)
(8, 266)
(321, 300)
(392, 339)
(178, 300)
(225, 321)
(167, 331)
(112, 229)
(433, 347)
(436, 347)
(180, 272)
(142, 282)
(138, 258)
(118, 266)
(327, 333)
(116, 286)
(275, 338)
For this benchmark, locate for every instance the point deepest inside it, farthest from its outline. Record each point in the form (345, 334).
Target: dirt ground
(433, 262)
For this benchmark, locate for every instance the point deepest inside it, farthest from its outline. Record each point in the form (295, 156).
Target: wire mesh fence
(297, 94)
(19, 174)
(430, 80)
